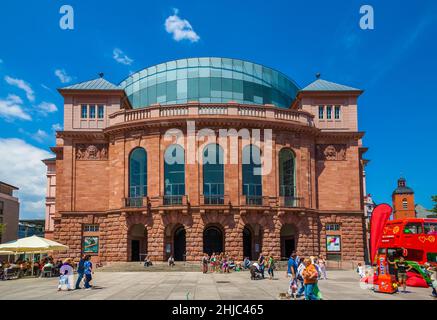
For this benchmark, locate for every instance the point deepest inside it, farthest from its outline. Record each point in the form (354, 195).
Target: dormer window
(321, 111)
(100, 111)
(84, 111)
(337, 112)
(92, 111)
(329, 112)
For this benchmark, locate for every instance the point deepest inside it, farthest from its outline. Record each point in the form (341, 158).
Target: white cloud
(56, 127)
(63, 76)
(45, 87)
(180, 28)
(22, 167)
(121, 57)
(23, 85)
(12, 108)
(46, 107)
(40, 135)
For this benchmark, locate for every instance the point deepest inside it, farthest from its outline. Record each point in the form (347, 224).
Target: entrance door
(289, 246)
(212, 240)
(135, 248)
(247, 243)
(179, 244)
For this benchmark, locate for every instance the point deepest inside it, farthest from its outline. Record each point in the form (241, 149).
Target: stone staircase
(156, 267)
(163, 267)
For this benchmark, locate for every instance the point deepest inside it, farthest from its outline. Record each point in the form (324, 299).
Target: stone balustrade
(196, 110)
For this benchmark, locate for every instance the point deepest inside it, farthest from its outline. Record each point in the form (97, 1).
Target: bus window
(431, 257)
(413, 228)
(414, 255)
(431, 228)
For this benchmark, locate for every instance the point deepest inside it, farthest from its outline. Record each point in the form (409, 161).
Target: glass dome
(209, 80)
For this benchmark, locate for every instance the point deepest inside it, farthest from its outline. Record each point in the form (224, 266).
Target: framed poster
(90, 244)
(333, 243)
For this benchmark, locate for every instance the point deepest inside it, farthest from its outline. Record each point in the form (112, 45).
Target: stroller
(255, 273)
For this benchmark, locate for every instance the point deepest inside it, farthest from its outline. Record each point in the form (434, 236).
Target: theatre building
(208, 155)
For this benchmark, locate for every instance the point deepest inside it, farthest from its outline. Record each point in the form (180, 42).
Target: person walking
(432, 272)
(88, 266)
(205, 261)
(322, 267)
(300, 280)
(261, 263)
(310, 280)
(80, 272)
(67, 270)
(402, 268)
(271, 266)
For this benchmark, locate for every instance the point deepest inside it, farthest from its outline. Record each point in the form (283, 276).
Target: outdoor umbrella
(33, 244)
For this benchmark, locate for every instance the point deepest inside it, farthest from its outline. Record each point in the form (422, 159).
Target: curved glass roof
(209, 80)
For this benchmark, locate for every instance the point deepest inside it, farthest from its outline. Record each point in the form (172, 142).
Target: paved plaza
(342, 285)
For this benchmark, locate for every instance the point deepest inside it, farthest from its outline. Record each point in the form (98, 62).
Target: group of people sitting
(221, 262)
(43, 267)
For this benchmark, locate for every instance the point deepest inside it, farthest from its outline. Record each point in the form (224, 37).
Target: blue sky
(394, 63)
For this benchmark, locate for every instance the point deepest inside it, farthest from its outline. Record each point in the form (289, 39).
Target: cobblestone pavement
(341, 285)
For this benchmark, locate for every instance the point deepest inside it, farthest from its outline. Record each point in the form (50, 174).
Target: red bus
(414, 238)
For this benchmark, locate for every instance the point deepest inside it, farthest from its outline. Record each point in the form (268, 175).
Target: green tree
(434, 199)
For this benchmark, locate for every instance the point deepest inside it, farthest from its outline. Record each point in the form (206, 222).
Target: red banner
(380, 215)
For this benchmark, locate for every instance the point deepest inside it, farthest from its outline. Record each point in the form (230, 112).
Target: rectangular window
(100, 111)
(92, 111)
(328, 112)
(332, 227)
(321, 111)
(84, 111)
(1, 212)
(91, 228)
(337, 112)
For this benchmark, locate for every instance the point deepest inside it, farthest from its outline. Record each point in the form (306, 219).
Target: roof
(96, 84)
(49, 159)
(323, 85)
(422, 212)
(403, 190)
(9, 185)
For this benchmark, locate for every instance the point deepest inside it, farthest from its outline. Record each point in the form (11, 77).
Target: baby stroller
(255, 273)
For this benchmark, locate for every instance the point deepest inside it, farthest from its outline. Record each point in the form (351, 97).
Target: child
(360, 271)
(63, 282)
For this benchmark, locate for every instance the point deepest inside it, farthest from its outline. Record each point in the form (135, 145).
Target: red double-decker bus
(414, 238)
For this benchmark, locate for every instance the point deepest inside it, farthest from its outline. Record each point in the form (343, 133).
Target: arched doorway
(288, 240)
(247, 243)
(137, 242)
(213, 240)
(179, 244)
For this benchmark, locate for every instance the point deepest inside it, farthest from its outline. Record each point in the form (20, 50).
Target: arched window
(137, 177)
(287, 186)
(138, 173)
(213, 174)
(174, 174)
(404, 204)
(252, 178)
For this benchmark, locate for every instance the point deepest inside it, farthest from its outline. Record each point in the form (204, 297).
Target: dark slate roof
(49, 159)
(96, 84)
(323, 85)
(403, 190)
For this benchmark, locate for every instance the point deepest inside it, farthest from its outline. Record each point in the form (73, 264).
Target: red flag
(380, 215)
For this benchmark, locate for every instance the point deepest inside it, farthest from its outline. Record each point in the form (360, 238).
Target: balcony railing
(291, 202)
(214, 200)
(254, 200)
(232, 110)
(173, 200)
(135, 202)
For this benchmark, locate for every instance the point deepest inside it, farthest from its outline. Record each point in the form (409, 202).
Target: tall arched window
(213, 174)
(137, 176)
(287, 186)
(174, 174)
(252, 178)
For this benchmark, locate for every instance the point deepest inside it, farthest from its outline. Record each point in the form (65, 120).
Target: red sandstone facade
(92, 180)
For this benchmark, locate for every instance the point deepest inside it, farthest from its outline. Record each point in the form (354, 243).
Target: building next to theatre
(116, 197)
(9, 212)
